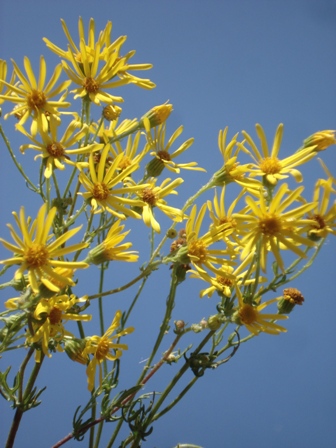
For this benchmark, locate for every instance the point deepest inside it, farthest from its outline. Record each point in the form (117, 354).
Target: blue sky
(220, 63)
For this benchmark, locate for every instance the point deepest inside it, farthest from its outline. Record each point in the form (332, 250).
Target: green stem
(16, 163)
(165, 322)
(21, 407)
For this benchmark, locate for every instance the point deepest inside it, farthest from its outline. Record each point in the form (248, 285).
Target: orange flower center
(36, 256)
(90, 85)
(102, 349)
(224, 281)
(320, 223)
(100, 191)
(247, 314)
(149, 196)
(270, 225)
(163, 155)
(36, 100)
(197, 249)
(55, 316)
(124, 163)
(56, 150)
(270, 165)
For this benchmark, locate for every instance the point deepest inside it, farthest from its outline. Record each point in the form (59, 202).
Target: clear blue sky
(220, 63)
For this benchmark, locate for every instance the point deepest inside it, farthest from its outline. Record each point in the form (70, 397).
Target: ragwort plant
(117, 171)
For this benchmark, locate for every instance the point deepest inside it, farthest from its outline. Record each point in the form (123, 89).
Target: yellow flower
(110, 250)
(268, 165)
(100, 187)
(269, 227)
(323, 220)
(130, 156)
(100, 347)
(56, 151)
(197, 247)
(90, 45)
(152, 197)
(35, 251)
(92, 51)
(49, 315)
(34, 98)
(231, 170)
(163, 159)
(85, 59)
(220, 216)
(254, 320)
(321, 139)
(225, 279)
(3, 75)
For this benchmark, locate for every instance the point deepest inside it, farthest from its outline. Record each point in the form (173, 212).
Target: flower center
(270, 165)
(90, 85)
(55, 316)
(320, 223)
(124, 163)
(270, 225)
(36, 256)
(102, 349)
(293, 295)
(224, 281)
(247, 314)
(56, 150)
(163, 155)
(149, 197)
(36, 100)
(100, 191)
(197, 249)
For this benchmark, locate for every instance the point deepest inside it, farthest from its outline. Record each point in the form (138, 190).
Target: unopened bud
(322, 140)
(157, 115)
(214, 322)
(74, 349)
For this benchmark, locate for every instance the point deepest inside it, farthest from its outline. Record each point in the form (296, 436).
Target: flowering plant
(96, 182)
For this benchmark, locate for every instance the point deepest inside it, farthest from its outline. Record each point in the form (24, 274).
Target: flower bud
(291, 297)
(214, 322)
(157, 115)
(74, 349)
(321, 139)
(111, 112)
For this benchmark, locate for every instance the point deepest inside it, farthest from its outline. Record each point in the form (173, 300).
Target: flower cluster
(99, 176)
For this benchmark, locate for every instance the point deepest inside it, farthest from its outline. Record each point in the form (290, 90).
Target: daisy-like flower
(268, 165)
(163, 159)
(197, 247)
(92, 77)
(50, 315)
(56, 151)
(110, 249)
(225, 279)
(35, 99)
(231, 170)
(321, 139)
(130, 154)
(256, 322)
(92, 80)
(271, 228)
(36, 252)
(90, 49)
(152, 197)
(100, 191)
(90, 44)
(103, 348)
(324, 220)
(219, 215)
